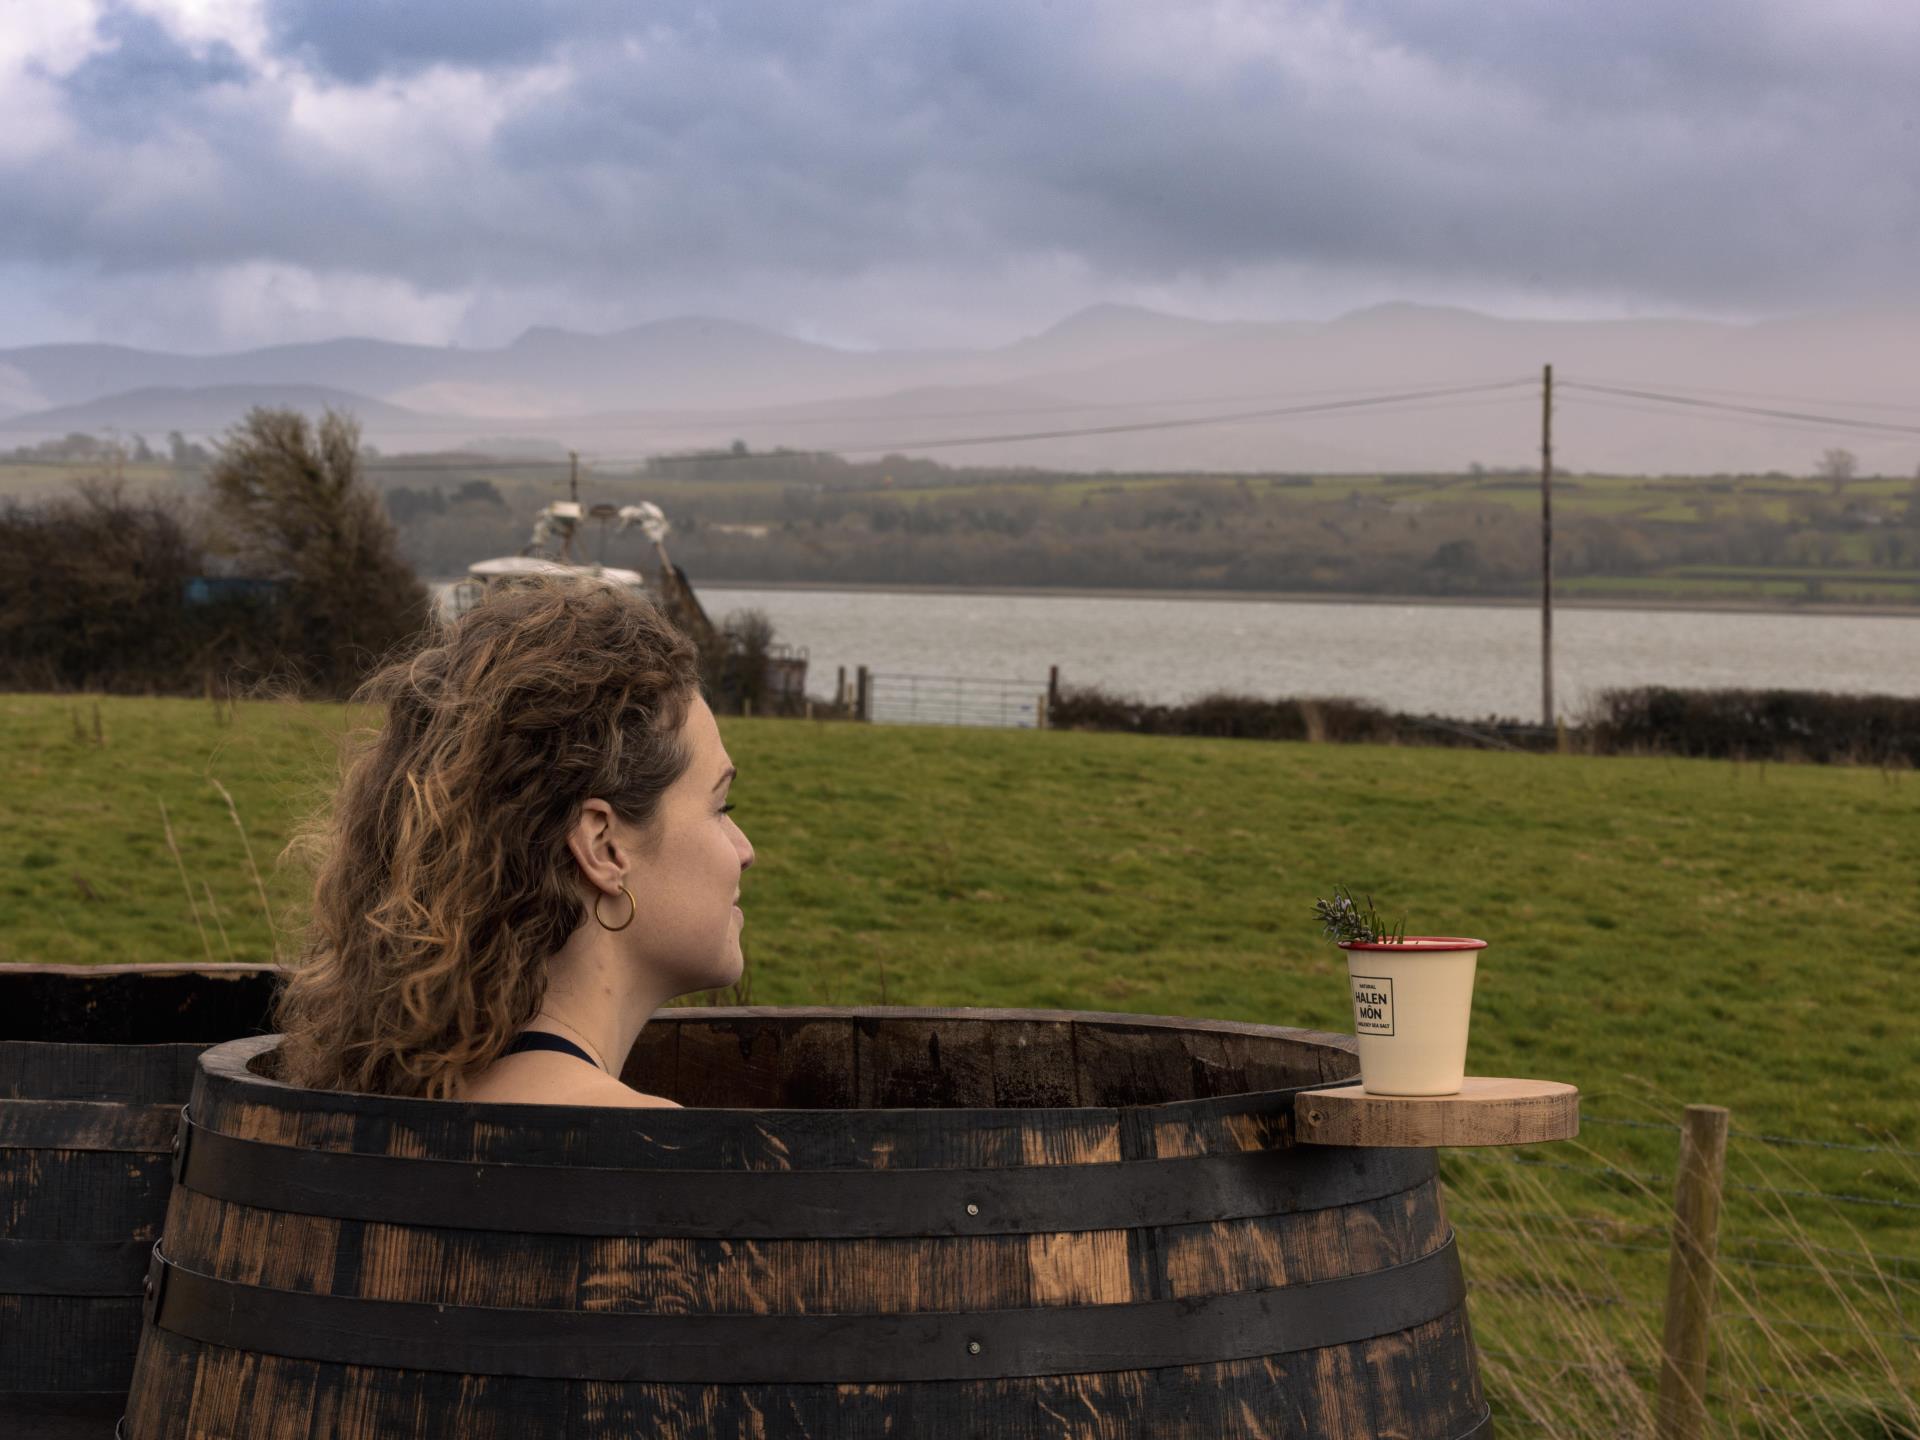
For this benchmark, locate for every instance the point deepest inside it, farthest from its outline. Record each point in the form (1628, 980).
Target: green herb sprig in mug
(1345, 921)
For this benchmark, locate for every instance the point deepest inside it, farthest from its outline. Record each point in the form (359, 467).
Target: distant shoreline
(1321, 597)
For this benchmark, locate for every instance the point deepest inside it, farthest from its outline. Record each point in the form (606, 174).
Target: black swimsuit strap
(542, 1040)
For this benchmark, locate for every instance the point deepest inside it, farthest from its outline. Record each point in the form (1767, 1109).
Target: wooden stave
(1234, 1057)
(135, 1004)
(946, 1126)
(123, 1074)
(232, 1098)
(61, 1415)
(86, 1127)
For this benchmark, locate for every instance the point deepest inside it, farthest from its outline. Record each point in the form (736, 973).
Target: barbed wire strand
(1831, 1195)
(1469, 1229)
(1650, 1176)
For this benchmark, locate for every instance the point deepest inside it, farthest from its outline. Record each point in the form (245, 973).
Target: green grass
(25, 480)
(1642, 913)
(95, 879)
(1661, 931)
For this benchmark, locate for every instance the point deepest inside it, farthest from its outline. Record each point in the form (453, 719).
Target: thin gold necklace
(585, 1043)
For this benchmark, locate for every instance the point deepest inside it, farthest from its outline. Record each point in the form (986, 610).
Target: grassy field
(1661, 932)
(25, 480)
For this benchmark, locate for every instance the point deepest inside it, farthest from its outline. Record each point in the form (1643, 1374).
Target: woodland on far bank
(1831, 535)
(746, 518)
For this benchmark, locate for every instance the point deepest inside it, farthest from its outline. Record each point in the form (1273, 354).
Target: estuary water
(1467, 661)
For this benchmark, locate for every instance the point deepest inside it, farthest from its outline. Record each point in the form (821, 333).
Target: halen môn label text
(1373, 1004)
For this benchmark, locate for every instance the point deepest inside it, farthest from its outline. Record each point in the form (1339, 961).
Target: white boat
(784, 676)
(482, 575)
(561, 520)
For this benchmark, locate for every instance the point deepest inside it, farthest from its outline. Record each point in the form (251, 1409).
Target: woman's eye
(724, 809)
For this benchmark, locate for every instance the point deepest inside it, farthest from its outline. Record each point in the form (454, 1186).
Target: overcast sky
(206, 174)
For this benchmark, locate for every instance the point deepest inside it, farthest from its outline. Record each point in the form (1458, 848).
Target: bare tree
(1837, 467)
(292, 504)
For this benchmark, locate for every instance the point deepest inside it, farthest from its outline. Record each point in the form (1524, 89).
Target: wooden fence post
(863, 695)
(840, 690)
(1682, 1412)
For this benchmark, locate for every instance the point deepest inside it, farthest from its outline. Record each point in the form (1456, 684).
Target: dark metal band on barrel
(777, 1204)
(73, 1267)
(749, 1349)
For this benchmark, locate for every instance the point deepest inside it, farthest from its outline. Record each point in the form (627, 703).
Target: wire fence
(1797, 1308)
(895, 698)
(1782, 1140)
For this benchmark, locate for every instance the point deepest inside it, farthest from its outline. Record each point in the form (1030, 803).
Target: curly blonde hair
(443, 878)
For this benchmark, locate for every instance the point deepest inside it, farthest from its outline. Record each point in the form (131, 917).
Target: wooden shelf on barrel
(1489, 1110)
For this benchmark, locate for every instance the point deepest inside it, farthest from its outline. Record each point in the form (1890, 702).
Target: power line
(1392, 404)
(1711, 390)
(764, 419)
(1764, 411)
(1635, 407)
(1406, 399)
(1134, 427)
(1400, 402)
(656, 419)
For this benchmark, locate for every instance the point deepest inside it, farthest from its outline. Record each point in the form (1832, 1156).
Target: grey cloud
(141, 71)
(359, 40)
(1629, 54)
(1710, 155)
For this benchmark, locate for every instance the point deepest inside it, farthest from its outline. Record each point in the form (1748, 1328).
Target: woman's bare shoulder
(543, 1083)
(632, 1099)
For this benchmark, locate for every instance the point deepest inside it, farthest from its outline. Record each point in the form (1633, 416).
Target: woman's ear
(596, 849)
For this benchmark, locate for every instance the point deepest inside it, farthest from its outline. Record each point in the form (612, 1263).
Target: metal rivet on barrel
(972, 1209)
(973, 1347)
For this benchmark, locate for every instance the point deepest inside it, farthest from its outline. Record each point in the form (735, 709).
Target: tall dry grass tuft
(213, 909)
(173, 848)
(1850, 1371)
(1815, 1342)
(259, 885)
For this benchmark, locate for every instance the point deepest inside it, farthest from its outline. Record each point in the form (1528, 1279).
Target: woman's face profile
(684, 870)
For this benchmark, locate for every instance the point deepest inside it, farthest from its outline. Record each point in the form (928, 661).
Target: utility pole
(1546, 547)
(573, 475)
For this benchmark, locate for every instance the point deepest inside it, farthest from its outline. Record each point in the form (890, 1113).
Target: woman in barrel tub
(532, 856)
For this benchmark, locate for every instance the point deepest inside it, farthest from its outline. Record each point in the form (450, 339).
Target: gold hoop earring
(633, 908)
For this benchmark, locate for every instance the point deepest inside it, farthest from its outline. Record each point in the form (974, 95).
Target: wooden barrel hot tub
(910, 1223)
(95, 1063)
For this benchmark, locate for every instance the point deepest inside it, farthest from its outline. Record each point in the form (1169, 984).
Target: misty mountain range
(693, 382)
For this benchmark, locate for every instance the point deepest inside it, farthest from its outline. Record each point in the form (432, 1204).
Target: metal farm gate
(902, 699)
